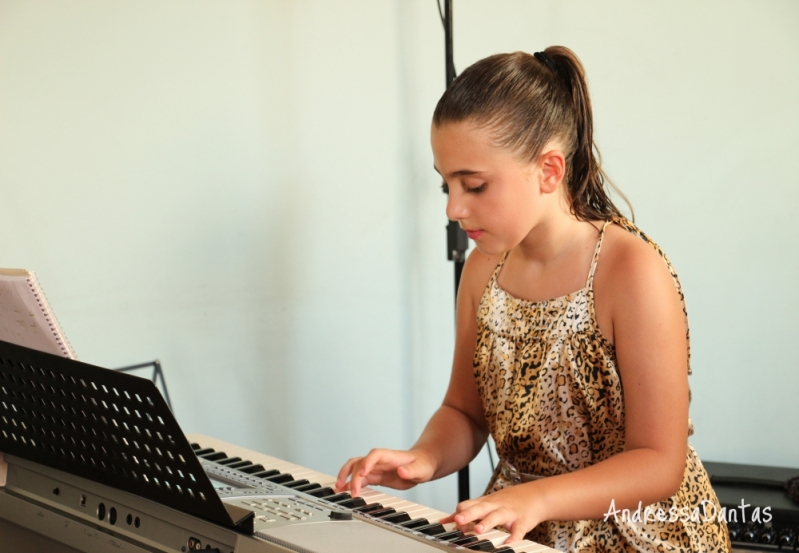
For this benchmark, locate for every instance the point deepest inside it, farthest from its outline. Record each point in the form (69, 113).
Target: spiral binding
(55, 328)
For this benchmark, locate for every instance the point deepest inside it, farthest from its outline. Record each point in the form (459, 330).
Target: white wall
(245, 191)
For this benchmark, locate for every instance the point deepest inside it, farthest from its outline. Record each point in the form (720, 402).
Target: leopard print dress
(553, 400)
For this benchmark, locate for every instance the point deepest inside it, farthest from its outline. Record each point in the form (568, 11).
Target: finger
(345, 471)
(494, 519)
(517, 531)
(475, 512)
(415, 471)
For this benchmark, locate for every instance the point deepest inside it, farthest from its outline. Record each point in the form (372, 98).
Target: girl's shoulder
(626, 250)
(631, 266)
(477, 272)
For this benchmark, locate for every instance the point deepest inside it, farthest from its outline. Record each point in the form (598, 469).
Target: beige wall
(244, 190)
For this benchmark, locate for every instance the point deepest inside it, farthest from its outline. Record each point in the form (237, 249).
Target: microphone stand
(457, 241)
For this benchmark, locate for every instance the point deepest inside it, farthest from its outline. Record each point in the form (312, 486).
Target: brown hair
(528, 100)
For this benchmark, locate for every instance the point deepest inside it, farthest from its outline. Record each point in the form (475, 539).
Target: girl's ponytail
(586, 180)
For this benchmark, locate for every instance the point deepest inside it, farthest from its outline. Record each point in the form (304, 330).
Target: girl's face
(496, 198)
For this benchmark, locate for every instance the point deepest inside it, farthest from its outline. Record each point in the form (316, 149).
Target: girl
(586, 395)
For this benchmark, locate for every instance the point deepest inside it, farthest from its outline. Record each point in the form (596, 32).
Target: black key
(369, 508)
(432, 529)
(205, 451)
(229, 460)
(396, 518)
(382, 512)
(482, 545)
(353, 503)
(504, 549)
(307, 487)
(214, 456)
(465, 540)
(266, 473)
(195, 447)
(280, 478)
(237, 464)
(451, 535)
(252, 469)
(296, 483)
(338, 497)
(415, 523)
(321, 493)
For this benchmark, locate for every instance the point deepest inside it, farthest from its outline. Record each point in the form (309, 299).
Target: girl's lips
(474, 234)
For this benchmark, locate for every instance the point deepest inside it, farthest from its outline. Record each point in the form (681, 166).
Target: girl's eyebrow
(460, 172)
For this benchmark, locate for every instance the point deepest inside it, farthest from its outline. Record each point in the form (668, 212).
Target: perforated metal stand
(105, 426)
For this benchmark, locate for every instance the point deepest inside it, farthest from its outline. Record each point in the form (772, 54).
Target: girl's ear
(553, 170)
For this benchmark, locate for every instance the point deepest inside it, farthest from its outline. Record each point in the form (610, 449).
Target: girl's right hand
(385, 467)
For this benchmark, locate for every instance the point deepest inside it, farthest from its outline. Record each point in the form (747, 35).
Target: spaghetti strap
(499, 266)
(590, 282)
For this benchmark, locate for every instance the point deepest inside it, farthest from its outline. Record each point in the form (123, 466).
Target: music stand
(105, 426)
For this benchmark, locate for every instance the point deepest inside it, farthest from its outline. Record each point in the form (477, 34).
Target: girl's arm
(648, 328)
(457, 430)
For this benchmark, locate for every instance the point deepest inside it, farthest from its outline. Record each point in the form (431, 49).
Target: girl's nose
(456, 209)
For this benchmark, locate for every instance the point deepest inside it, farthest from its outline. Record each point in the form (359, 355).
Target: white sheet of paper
(21, 319)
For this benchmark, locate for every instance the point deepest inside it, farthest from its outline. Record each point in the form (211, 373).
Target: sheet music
(25, 317)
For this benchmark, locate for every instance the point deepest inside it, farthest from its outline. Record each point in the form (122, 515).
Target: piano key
(335, 498)
(266, 473)
(280, 478)
(322, 492)
(352, 503)
(215, 456)
(432, 529)
(307, 487)
(482, 545)
(414, 523)
(238, 464)
(397, 518)
(228, 461)
(379, 513)
(203, 451)
(252, 469)
(297, 483)
(505, 549)
(451, 535)
(465, 540)
(368, 508)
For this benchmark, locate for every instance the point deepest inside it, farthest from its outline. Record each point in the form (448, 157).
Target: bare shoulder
(477, 271)
(630, 272)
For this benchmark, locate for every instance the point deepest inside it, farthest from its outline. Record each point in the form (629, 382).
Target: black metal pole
(457, 241)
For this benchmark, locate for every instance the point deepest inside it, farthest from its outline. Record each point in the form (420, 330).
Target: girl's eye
(445, 188)
(476, 189)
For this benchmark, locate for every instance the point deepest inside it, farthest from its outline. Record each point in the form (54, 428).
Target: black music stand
(158, 373)
(105, 426)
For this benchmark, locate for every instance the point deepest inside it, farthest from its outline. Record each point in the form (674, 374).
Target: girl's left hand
(515, 508)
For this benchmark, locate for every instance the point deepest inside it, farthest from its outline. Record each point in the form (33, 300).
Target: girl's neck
(554, 237)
